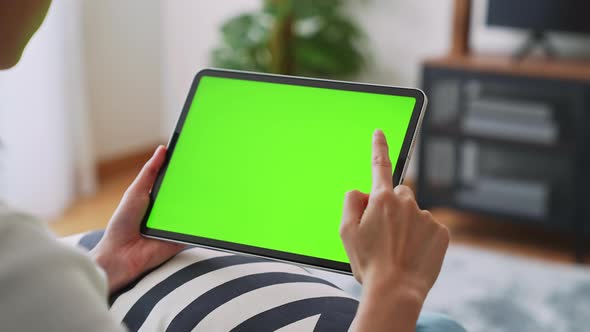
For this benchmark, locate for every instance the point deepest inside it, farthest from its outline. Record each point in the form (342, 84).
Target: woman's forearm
(388, 308)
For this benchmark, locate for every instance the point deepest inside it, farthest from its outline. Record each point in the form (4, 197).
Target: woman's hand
(395, 249)
(123, 253)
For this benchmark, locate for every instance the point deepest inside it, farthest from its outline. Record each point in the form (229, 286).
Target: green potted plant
(293, 37)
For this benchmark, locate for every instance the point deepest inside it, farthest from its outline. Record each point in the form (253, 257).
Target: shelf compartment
(455, 132)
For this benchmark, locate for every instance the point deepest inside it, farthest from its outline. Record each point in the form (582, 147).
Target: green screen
(267, 164)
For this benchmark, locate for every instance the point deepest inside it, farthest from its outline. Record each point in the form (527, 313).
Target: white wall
(36, 157)
(401, 34)
(123, 55)
(190, 30)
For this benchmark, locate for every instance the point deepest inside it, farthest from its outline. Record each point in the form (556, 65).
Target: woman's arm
(388, 307)
(395, 249)
(46, 285)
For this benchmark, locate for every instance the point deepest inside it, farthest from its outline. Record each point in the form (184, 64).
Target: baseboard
(113, 166)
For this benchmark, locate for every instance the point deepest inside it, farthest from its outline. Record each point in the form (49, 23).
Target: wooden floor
(94, 213)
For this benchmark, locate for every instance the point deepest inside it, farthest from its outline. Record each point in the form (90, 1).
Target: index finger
(381, 164)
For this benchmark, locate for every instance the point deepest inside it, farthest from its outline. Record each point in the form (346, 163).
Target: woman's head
(19, 19)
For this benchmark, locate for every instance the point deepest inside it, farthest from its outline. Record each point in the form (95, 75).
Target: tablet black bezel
(328, 84)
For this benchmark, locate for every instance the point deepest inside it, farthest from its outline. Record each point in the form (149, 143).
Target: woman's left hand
(122, 252)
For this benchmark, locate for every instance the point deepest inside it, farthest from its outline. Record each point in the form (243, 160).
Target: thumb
(355, 203)
(147, 176)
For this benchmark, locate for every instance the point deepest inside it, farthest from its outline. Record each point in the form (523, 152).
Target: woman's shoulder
(14, 223)
(44, 281)
(27, 243)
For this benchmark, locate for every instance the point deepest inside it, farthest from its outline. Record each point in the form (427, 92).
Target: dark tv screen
(541, 15)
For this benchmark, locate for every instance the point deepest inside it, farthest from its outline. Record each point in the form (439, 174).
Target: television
(540, 17)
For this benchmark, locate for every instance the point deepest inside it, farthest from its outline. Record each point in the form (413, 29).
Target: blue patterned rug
(491, 292)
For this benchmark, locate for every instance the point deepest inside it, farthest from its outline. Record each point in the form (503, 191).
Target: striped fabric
(207, 290)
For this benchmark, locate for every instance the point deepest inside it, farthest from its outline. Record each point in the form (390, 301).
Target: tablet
(259, 164)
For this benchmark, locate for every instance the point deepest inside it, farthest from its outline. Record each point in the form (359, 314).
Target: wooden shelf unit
(568, 81)
(541, 67)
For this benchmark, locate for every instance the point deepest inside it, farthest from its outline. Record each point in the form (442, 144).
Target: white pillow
(210, 290)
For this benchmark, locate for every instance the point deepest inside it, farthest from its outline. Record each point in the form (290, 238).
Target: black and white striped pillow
(207, 290)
